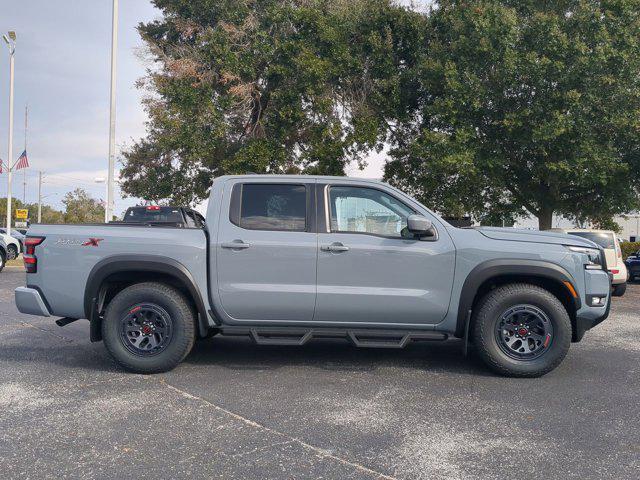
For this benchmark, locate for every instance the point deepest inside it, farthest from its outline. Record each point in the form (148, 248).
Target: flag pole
(24, 174)
(40, 196)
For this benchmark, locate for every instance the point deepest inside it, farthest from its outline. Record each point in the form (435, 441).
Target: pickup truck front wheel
(149, 328)
(521, 330)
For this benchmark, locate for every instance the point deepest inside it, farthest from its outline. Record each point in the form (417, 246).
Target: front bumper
(29, 300)
(597, 283)
(584, 323)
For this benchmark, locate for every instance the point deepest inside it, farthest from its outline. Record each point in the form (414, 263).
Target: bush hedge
(629, 248)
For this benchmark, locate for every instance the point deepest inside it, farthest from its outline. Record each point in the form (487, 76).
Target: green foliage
(629, 248)
(496, 108)
(606, 223)
(49, 214)
(81, 208)
(525, 105)
(277, 86)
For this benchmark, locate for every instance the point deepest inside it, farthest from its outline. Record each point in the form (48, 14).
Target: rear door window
(265, 206)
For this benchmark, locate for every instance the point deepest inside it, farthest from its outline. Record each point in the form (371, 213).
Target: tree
(49, 214)
(277, 86)
(525, 105)
(81, 208)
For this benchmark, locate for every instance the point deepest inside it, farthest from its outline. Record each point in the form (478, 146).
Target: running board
(369, 338)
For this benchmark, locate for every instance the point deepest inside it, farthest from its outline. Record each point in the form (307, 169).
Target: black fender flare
(508, 267)
(138, 263)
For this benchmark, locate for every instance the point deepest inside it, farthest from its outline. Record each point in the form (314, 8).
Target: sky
(62, 72)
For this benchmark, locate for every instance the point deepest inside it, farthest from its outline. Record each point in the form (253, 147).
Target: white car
(13, 246)
(608, 240)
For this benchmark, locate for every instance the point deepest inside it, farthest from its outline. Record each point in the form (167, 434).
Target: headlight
(594, 259)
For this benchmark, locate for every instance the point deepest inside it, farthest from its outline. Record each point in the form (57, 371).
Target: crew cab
(288, 259)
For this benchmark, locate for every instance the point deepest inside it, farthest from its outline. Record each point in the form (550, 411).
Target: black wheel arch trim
(508, 267)
(139, 263)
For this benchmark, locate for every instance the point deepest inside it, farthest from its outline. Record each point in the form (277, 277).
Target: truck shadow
(241, 354)
(334, 355)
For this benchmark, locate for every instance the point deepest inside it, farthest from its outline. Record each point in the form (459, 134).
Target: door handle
(235, 245)
(334, 247)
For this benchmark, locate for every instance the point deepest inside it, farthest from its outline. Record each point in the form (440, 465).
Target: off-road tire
(618, 290)
(488, 313)
(183, 327)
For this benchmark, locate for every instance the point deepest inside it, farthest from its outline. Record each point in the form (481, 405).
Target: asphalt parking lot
(326, 410)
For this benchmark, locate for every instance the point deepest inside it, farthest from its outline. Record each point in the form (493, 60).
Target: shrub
(629, 248)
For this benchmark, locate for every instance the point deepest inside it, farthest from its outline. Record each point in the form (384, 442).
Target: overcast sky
(62, 64)
(62, 67)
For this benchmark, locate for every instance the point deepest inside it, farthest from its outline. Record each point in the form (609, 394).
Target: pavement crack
(322, 453)
(260, 449)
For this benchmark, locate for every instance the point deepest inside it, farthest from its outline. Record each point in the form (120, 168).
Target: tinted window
(367, 210)
(153, 214)
(605, 240)
(273, 207)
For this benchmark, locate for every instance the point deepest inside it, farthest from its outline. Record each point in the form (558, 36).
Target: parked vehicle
(608, 240)
(179, 216)
(633, 266)
(3, 254)
(285, 259)
(13, 246)
(17, 235)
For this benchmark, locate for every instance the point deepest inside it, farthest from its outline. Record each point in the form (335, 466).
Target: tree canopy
(81, 208)
(526, 105)
(494, 107)
(264, 86)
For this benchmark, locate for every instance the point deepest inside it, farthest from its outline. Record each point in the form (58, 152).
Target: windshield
(605, 240)
(157, 214)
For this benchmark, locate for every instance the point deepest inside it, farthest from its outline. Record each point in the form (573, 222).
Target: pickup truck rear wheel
(521, 330)
(149, 328)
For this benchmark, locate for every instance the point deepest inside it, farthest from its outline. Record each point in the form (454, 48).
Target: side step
(370, 338)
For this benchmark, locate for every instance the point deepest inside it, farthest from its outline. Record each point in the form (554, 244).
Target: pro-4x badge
(92, 242)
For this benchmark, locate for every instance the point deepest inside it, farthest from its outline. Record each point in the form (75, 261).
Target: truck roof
(298, 177)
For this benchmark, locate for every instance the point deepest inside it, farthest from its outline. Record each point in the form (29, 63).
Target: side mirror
(420, 226)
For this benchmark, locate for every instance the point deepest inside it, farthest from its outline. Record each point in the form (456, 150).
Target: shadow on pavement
(333, 355)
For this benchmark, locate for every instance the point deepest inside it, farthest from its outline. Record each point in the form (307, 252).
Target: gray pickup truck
(287, 259)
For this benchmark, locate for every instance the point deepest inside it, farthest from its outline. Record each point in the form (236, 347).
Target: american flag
(23, 161)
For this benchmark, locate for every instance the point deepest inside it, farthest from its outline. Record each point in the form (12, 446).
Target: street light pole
(40, 196)
(108, 211)
(11, 42)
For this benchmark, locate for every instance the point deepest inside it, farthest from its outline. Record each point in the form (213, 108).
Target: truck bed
(69, 254)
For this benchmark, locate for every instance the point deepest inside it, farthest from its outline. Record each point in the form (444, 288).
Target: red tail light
(29, 258)
(153, 207)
